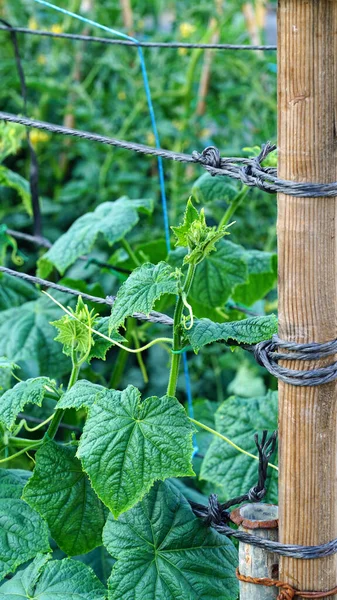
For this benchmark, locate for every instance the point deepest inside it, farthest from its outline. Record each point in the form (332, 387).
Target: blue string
(160, 160)
(148, 97)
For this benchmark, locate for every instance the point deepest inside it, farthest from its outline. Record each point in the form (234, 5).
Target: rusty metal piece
(255, 516)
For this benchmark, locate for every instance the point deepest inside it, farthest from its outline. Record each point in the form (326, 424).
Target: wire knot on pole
(267, 354)
(209, 157)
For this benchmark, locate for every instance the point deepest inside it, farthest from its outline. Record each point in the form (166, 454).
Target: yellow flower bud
(186, 29)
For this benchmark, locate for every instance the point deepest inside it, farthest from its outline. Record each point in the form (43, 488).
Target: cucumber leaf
(14, 292)
(262, 274)
(13, 180)
(82, 394)
(61, 493)
(219, 273)
(210, 189)
(139, 292)
(101, 346)
(27, 338)
(127, 444)
(22, 531)
(173, 555)
(31, 391)
(47, 579)
(239, 419)
(247, 331)
(112, 219)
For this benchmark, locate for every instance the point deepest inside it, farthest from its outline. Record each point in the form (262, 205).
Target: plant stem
(175, 360)
(121, 358)
(233, 206)
(31, 447)
(228, 441)
(187, 97)
(57, 418)
(139, 357)
(19, 442)
(105, 337)
(130, 252)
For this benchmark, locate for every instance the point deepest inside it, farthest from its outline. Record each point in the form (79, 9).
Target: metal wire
(142, 44)
(152, 317)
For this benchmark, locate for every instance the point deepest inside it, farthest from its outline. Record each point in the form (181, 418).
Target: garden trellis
(306, 184)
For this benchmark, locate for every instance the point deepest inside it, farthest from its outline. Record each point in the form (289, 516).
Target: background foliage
(100, 89)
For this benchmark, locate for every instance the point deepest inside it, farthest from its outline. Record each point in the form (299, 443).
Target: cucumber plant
(105, 512)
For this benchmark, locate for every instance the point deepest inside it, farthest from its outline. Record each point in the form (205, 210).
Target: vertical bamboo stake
(127, 15)
(307, 44)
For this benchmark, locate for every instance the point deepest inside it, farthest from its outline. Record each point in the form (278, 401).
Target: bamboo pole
(127, 15)
(307, 59)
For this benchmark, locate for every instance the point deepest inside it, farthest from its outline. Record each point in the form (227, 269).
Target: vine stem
(31, 447)
(175, 360)
(105, 337)
(19, 442)
(130, 252)
(233, 207)
(228, 441)
(57, 418)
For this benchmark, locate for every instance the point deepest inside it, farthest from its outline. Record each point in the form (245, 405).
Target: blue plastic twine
(148, 97)
(160, 160)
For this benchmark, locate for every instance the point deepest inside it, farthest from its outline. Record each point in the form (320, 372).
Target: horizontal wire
(118, 42)
(247, 170)
(34, 239)
(152, 317)
(94, 137)
(44, 243)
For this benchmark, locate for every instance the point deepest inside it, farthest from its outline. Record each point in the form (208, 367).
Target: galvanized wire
(247, 170)
(142, 44)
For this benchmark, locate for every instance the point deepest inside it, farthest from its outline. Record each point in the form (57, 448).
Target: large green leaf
(47, 580)
(6, 369)
(14, 292)
(219, 274)
(82, 394)
(141, 290)
(22, 531)
(127, 444)
(247, 331)
(61, 492)
(164, 552)
(210, 189)
(100, 561)
(27, 338)
(239, 419)
(31, 391)
(248, 381)
(262, 271)
(13, 180)
(100, 345)
(204, 412)
(112, 219)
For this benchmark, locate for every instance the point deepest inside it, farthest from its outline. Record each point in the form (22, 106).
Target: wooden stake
(307, 65)
(127, 15)
(260, 520)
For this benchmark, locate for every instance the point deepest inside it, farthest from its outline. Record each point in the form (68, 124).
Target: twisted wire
(269, 352)
(247, 170)
(152, 317)
(142, 44)
(216, 515)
